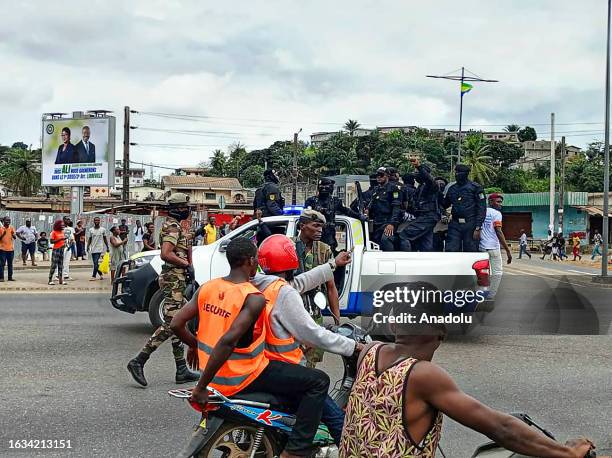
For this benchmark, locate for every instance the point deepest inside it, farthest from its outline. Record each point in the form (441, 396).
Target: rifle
(360, 201)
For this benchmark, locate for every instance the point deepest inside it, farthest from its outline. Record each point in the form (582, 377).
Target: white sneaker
(68, 278)
(51, 283)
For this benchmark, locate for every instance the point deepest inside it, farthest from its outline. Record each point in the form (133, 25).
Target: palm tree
(351, 126)
(218, 163)
(478, 159)
(512, 128)
(20, 171)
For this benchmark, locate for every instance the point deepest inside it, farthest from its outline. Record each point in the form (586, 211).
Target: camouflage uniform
(320, 254)
(172, 281)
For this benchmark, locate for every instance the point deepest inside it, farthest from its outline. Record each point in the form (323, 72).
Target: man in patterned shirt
(390, 416)
(176, 254)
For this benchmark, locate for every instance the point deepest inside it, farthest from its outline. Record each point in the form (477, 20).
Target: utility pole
(605, 223)
(295, 168)
(125, 194)
(562, 185)
(463, 78)
(551, 223)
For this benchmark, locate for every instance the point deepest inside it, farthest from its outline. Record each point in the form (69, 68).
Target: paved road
(64, 377)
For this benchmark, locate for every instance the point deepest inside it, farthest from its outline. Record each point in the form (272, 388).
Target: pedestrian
(492, 240)
(418, 234)
(43, 245)
(70, 242)
(7, 248)
(124, 231)
(523, 246)
(561, 243)
(117, 251)
(97, 243)
(208, 231)
(555, 248)
(597, 241)
(176, 254)
(79, 235)
(58, 255)
(312, 252)
(28, 235)
(576, 247)
(148, 238)
(469, 208)
(138, 234)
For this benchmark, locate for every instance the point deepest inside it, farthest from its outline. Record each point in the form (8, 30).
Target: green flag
(465, 88)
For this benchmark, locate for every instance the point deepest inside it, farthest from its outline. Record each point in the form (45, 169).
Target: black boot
(183, 374)
(136, 368)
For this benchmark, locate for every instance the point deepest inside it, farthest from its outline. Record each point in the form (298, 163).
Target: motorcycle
(258, 424)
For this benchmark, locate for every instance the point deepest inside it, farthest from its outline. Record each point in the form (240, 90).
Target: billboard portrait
(78, 151)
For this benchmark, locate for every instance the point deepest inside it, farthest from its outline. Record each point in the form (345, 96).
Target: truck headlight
(142, 260)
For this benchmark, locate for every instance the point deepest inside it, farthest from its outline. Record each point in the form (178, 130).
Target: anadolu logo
(50, 129)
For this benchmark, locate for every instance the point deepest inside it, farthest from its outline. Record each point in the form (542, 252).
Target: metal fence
(44, 222)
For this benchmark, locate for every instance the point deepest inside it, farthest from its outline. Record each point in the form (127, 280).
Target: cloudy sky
(257, 71)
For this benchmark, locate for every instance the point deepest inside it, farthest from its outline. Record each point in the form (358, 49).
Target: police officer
(468, 213)
(418, 234)
(176, 254)
(268, 198)
(409, 190)
(366, 195)
(385, 211)
(328, 205)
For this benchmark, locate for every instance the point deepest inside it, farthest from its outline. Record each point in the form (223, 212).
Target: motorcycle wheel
(236, 441)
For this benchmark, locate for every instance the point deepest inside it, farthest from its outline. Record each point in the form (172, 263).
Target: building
(405, 129)
(192, 171)
(136, 176)
(346, 189)
(538, 152)
(206, 190)
(146, 193)
(317, 138)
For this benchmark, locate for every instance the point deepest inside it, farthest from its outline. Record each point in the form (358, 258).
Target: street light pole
(604, 261)
(295, 167)
(460, 113)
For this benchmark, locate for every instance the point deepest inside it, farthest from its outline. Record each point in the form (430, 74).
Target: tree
(476, 155)
(20, 171)
(218, 163)
(252, 176)
(512, 128)
(351, 126)
(527, 134)
(504, 154)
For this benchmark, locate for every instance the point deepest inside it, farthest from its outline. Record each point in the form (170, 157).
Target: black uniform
(329, 206)
(418, 235)
(468, 213)
(269, 200)
(384, 209)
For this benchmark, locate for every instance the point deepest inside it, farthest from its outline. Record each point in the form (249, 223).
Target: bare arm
(334, 300)
(252, 308)
(502, 241)
(179, 322)
(168, 255)
(433, 385)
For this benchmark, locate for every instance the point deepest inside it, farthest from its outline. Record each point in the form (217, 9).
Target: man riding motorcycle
(288, 324)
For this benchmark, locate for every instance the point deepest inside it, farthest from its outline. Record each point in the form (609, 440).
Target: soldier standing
(328, 205)
(176, 254)
(268, 198)
(385, 211)
(418, 235)
(468, 213)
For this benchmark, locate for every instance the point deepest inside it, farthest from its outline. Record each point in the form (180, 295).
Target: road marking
(581, 272)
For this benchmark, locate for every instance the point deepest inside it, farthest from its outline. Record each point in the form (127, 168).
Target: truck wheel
(156, 309)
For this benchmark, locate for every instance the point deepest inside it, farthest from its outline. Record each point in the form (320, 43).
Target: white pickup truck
(137, 289)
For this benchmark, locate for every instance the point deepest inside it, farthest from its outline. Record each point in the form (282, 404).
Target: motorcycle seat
(277, 402)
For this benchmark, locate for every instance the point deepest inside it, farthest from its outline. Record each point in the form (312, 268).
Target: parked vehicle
(137, 290)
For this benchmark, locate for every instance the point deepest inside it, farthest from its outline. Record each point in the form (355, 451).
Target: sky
(257, 71)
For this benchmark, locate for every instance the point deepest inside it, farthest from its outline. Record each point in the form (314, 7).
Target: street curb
(56, 288)
(29, 268)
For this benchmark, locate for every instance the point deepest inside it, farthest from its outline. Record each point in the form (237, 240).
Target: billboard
(78, 151)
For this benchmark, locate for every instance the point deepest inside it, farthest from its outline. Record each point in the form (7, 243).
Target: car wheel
(156, 309)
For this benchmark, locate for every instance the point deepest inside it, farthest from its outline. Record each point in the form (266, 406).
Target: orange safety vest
(219, 303)
(287, 350)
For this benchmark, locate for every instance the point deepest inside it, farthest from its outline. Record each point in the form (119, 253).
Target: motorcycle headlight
(142, 260)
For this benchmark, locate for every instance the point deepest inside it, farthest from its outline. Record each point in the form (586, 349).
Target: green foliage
(504, 154)
(19, 145)
(527, 134)
(218, 164)
(351, 126)
(584, 174)
(20, 170)
(512, 128)
(252, 176)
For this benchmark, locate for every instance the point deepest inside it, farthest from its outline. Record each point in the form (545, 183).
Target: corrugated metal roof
(195, 181)
(534, 199)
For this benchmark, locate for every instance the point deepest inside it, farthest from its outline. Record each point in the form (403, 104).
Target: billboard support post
(76, 192)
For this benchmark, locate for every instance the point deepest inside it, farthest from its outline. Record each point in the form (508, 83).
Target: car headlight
(142, 260)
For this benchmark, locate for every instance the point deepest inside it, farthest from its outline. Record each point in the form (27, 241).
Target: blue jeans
(95, 257)
(596, 251)
(333, 418)
(6, 257)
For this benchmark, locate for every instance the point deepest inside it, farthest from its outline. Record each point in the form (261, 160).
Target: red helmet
(277, 254)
